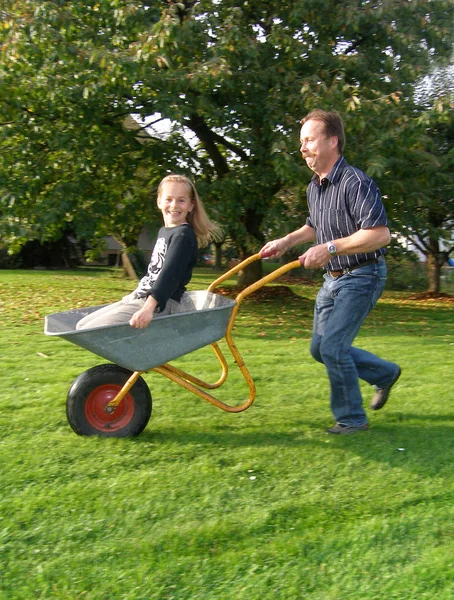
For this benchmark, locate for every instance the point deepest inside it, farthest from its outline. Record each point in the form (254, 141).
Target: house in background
(112, 255)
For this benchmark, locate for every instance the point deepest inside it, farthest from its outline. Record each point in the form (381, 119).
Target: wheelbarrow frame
(196, 385)
(95, 400)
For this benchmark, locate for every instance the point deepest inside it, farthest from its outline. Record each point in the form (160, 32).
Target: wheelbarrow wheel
(94, 389)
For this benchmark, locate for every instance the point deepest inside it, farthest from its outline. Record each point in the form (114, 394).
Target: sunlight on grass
(206, 505)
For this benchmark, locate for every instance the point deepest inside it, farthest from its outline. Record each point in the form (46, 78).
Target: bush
(9, 261)
(406, 272)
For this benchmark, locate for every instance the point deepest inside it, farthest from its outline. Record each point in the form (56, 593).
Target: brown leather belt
(337, 274)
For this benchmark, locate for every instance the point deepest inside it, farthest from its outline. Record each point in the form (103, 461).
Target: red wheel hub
(99, 417)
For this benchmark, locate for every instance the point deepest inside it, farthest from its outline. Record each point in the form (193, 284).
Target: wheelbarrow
(113, 400)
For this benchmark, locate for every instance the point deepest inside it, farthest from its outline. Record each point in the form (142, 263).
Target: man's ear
(334, 141)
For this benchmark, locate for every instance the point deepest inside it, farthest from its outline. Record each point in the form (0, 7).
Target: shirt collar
(335, 174)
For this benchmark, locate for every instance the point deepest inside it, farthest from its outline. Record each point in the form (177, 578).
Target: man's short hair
(333, 125)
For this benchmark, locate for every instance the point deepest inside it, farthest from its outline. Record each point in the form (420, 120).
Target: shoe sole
(377, 406)
(348, 431)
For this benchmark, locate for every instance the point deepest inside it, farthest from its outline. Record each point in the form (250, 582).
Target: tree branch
(354, 46)
(210, 141)
(419, 245)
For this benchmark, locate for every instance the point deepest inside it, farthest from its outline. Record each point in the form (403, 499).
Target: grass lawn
(206, 505)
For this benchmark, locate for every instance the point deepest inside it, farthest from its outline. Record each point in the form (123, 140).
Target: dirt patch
(274, 292)
(268, 292)
(431, 297)
(298, 281)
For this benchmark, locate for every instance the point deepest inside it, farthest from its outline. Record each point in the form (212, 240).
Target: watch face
(331, 248)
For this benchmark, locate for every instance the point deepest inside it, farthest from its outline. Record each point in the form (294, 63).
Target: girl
(163, 289)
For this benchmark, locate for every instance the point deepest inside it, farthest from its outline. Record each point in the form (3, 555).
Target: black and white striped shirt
(344, 202)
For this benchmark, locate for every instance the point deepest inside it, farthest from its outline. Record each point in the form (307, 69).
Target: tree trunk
(253, 272)
(250, 274)
(127, 266)
(435, 260)
(218, 255)
(434, 272)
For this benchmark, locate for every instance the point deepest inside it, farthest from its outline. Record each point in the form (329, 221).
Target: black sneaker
(341, 429)
(382, 394)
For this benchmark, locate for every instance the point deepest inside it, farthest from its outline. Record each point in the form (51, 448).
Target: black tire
(95, 388)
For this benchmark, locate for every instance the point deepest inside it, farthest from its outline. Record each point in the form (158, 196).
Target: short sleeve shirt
(341, 204)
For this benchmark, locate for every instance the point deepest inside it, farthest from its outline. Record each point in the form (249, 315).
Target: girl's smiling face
(175, 203)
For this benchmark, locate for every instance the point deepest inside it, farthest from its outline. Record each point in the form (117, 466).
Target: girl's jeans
(341, 306)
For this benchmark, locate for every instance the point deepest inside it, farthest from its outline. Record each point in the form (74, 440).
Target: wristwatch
(331, 248)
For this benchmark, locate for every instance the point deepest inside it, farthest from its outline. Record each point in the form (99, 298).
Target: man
(347, 221)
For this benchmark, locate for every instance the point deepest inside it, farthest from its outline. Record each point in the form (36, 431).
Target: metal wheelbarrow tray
(165, 339)
(113, 400)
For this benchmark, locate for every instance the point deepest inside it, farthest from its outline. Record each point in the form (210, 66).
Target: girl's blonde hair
(205, 229)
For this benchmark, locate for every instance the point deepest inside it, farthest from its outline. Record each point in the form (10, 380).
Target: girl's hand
(141, 318)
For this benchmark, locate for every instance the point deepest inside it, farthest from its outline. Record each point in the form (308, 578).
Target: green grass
(206, 505)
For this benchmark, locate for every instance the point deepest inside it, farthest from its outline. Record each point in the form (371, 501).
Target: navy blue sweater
(170, 270)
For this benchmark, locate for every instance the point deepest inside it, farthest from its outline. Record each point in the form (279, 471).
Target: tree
(67, 155)
(428, 220)
(431, 227)
(412, 161)
(238, 77)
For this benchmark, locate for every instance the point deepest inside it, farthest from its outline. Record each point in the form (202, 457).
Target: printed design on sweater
(157, 259)
(155, 266)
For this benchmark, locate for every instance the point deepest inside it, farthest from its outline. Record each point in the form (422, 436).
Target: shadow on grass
(445, 418)
(231, 438)
(385, 320)
(408, 444)
(234, 437)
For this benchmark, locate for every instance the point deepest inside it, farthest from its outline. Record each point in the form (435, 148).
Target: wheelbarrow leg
(112, 405)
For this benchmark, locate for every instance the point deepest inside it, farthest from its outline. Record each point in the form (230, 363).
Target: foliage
(430, 221)
(209, 506)
(406, 272)
(66, 155)
(411, 158)
(8, 261)
(417, 179)
(238, 77)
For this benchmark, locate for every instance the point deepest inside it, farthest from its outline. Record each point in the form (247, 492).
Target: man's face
(317, 149)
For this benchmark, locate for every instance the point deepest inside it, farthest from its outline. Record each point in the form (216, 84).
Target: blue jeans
(341, 306)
